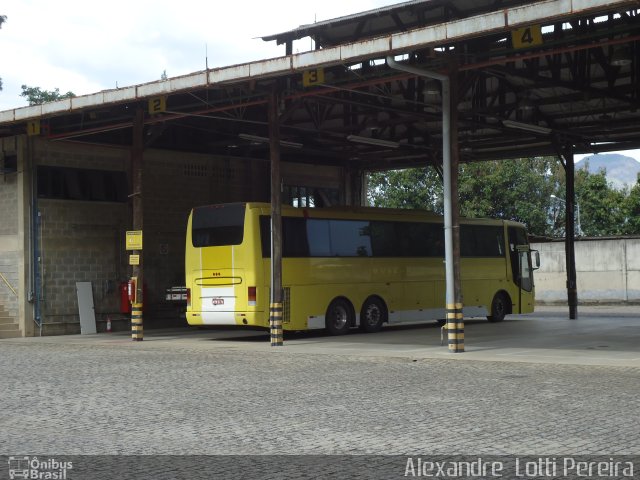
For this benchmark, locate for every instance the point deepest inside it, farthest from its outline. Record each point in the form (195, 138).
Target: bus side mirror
(536, 259)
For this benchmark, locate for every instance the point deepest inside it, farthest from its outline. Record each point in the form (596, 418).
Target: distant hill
(620, 169)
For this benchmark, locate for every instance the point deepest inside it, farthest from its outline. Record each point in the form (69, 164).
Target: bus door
(525, 277)
(525, 270)
(520, 256)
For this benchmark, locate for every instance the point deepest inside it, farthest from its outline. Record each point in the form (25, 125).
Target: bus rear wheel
(499, 307)
(373, 315)
(339, 317)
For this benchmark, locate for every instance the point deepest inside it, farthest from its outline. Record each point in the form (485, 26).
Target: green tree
(632, 226)
(37, 96)
(603, 209)
(518, 190)
(409, 188)
(510, 189)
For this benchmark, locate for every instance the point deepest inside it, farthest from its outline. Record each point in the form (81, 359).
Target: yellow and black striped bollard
(136, 322)
(275, 322)
(455, 328)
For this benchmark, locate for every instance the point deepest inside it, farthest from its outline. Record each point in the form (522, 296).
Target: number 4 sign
(527, 36)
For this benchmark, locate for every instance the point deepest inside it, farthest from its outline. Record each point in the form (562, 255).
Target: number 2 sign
(157, 105)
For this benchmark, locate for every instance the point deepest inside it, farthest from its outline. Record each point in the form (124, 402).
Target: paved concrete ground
(535, 384)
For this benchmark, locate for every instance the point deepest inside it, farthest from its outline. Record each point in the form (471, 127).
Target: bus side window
(319, 239)
(294, 237)
(435, 236)
(349, 238)
(383, 239)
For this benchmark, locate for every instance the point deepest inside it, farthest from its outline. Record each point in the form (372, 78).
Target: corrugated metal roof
(393, 18)
(574, 91)
(307, 29)
(378, 47)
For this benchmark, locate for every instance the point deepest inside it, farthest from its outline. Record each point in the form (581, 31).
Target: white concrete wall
(607, 270)
(9, 238)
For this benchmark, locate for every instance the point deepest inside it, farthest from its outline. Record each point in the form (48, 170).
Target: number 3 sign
(313, 77)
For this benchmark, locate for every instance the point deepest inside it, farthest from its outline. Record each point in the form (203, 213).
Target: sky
(89, 46)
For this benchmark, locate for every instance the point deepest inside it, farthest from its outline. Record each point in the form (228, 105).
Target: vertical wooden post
(137, 270)
(276, 306)
(570, 233)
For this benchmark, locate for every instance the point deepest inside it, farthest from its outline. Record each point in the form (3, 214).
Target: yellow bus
(348, 267)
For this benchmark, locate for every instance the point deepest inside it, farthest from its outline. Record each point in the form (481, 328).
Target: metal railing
(4, 279)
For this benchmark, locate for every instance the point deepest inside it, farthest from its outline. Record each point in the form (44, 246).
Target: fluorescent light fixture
(258, 139)
(527, 127)
(504, 149)
(373, 141)
(285, 143)
(407, 157)
(253, 138)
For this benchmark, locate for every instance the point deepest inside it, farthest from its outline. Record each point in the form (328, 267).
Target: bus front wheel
(339, 317)
(373, 315)
(499, 307)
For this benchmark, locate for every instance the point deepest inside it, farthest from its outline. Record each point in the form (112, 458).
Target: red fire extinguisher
(131, 289)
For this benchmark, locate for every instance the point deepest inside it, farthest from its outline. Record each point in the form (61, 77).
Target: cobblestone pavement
(133, 398)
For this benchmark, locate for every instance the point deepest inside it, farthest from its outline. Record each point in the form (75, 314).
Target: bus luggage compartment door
(218, 296)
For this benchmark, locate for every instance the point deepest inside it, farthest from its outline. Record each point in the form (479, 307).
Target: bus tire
(500, 307)
(339, 317)
(373, 315)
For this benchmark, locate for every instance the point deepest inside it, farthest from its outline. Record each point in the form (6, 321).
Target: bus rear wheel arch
(373, 314)
(339, 317)
(500, 307)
